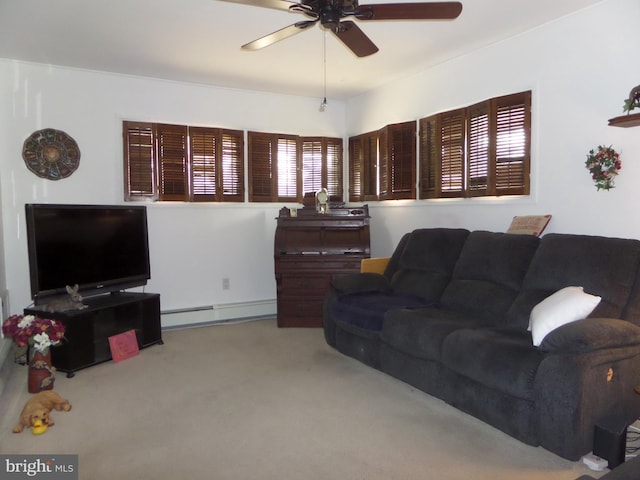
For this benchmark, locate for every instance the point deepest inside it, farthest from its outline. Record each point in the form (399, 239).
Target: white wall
(580, 69)
(5, 344)
(193, 246)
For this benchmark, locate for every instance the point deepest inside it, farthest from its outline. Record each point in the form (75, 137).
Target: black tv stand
(87, 331)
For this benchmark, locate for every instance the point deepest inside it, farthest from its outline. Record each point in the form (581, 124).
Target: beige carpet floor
(251, 401)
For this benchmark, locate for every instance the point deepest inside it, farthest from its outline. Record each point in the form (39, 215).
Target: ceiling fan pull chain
(323, 105)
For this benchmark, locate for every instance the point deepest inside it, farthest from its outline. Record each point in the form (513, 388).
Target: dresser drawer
(309, 284)
(299, 311)
(288, 263)
(300, 306)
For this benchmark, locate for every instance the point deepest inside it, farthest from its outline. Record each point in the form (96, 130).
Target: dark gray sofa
(450, 316)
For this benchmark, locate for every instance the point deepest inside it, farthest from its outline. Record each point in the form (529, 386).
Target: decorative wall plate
(51, 154)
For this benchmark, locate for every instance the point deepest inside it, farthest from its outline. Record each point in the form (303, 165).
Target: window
(273, 166)
(200, 164)
(283, 167)
(481, 150)
(181, 163)
(217, 162)
(322, 166)
(383, 164)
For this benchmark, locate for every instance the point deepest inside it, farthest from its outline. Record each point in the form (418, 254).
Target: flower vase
(21, 356)
(40, 371)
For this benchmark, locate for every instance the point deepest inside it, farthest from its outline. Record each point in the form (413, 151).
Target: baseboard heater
(220, 313)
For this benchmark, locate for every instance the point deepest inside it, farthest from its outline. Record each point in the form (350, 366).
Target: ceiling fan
(331, 12)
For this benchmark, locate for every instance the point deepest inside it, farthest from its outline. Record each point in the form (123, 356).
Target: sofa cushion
(503, 360)
(565, 306)
(360, 283)
(367, 310)
(489, 274)
(394, 260)
(603, 266)
(427, 261)
(421, 332)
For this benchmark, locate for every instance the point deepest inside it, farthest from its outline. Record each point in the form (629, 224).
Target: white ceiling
(199, 41)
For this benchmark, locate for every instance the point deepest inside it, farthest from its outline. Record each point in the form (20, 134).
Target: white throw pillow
(566, 305)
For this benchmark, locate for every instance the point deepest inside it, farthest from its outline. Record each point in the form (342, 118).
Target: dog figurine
(36, 410)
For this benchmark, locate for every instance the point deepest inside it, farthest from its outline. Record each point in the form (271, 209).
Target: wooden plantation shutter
(217, 164)
(273, 168)
(140, 166)
(334, 168)
(398, 161)
(180, 163)
(322, 165)
(356, 169)
(452, 139)
(384, 185)
(363, 163)
(287, 164)
(498, 140)
(232, 166)
(480, 162)
(172, 159)
(204, 151)
(512, 144)
(430, 184)
(312, 165)
(478, 151)
(262, 187)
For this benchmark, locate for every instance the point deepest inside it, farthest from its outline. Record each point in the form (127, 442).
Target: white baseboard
(218, 313)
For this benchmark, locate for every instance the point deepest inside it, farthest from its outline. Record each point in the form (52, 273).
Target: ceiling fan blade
(355, 39)
(277, 4)
(409, 11)
(278, 35)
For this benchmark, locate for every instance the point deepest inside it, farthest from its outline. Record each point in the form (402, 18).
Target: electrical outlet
(226, 284)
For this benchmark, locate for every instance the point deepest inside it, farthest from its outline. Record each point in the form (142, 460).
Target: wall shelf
(632, 120)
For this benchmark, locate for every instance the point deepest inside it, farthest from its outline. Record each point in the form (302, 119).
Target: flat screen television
(102, 248)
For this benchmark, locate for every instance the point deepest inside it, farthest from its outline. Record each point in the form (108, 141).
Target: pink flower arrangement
(603, 165)
(40, 333)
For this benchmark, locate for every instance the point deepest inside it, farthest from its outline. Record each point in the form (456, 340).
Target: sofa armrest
(573, 391)
(374, 265)
(361, 283)
(591, 334)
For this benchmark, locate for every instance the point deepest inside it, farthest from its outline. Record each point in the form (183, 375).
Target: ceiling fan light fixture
(330, 19)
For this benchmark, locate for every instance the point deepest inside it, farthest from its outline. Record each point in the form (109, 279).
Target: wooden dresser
(310, 249)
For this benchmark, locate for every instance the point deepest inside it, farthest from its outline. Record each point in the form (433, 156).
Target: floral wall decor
(604, 164)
